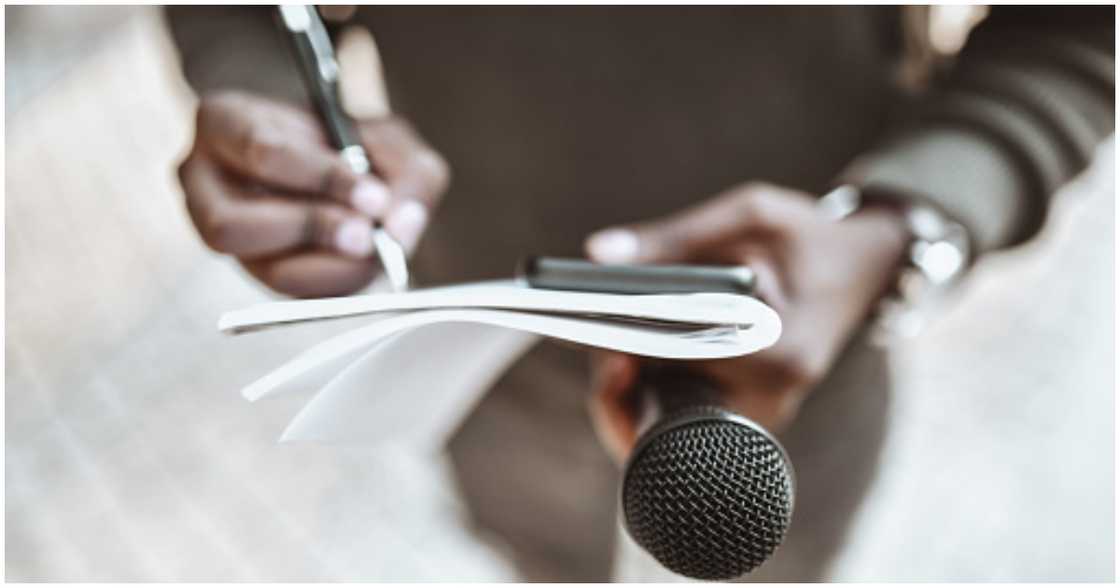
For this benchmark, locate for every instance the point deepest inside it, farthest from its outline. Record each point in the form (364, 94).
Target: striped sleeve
(1019, 114)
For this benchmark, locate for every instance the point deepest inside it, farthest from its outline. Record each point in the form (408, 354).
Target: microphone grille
(708, 495)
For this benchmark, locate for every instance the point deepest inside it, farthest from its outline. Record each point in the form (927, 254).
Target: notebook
(426, 356)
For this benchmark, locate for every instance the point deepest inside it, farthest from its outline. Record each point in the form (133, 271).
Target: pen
(319, 69)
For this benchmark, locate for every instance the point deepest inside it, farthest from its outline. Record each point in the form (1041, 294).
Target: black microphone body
(706, 492)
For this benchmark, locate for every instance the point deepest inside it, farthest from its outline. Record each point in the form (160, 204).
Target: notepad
(427, 355)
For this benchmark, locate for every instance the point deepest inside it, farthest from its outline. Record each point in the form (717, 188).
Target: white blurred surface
(999, 461)
(130, 455)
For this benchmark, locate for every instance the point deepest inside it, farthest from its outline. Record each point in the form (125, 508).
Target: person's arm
(1018, 115)
(1023, 111)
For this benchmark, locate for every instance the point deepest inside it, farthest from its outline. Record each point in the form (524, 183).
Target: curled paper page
(399, 392)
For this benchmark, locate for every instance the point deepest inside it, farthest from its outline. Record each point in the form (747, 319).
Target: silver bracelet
(938, 255)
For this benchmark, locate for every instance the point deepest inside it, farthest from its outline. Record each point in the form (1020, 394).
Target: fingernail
(407, 222)
(354, 238)
(613, 246)
(369, 197)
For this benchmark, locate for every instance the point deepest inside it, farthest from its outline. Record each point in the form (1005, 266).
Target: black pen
(319, 69)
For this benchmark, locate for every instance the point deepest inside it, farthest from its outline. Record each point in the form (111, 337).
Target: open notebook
(428, 355)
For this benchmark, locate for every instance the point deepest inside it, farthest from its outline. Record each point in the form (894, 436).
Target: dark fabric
(1036, 85)
(560, 120)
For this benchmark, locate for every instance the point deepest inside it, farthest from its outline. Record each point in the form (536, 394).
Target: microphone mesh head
(709, 498)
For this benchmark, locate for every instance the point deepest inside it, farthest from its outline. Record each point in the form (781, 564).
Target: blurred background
(131, 456)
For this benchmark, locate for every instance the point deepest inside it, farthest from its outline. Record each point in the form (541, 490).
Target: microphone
(706, 492)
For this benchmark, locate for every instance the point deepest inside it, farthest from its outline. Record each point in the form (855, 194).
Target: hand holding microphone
(706, 489)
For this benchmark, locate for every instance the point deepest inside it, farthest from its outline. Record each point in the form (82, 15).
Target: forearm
(234, 47)
(1021, 113)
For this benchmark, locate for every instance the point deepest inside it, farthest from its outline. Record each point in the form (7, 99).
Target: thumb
(684, 235)
(361, 77)
(653, 242)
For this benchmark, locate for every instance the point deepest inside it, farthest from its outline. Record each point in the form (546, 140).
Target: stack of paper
(428, 355)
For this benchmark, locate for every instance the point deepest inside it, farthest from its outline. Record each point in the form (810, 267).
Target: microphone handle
(666, 389)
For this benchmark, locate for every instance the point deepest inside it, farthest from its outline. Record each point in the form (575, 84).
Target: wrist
(880, 224)
(887, 222)
(935, 254)
(885, 240)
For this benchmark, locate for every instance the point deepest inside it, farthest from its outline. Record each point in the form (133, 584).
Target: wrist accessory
(935, 260)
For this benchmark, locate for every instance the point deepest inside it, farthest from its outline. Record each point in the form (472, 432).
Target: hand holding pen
(315, 57)
(264, 183)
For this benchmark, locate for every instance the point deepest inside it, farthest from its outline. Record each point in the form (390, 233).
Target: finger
(408, 164)
(769, 285)
(281, 146)
(313, 274)
(751, 210)
(416, 175)
(232, 219)
(773, 396)
(267, 225)
(361, 78)
(611, 412)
